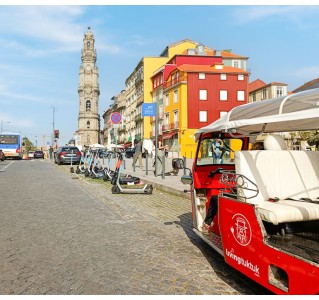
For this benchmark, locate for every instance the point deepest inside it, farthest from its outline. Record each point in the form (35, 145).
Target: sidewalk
(170, 183)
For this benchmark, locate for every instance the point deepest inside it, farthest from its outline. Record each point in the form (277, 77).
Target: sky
(40, 53)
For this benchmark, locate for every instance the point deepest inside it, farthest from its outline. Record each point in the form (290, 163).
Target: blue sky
(40, 53)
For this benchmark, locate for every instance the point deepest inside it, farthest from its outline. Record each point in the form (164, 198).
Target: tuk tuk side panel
(245, 250)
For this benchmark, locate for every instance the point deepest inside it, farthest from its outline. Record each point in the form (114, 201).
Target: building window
(241, 95)
(88, 125)
(254, 97)
(264, 94)
(166, 121)
(241, 77)
(202, 116)
(236, 63)
(202, 94)
(173, 79)
(88, 105)
(223, 95)
(175, 119)
(175, 96)
(279, 91)
(223, 76)
(166, 99)
(201, 75)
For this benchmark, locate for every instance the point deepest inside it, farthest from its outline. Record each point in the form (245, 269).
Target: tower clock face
(88, 68)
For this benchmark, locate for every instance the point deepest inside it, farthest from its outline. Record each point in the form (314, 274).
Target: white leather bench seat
(281, 174)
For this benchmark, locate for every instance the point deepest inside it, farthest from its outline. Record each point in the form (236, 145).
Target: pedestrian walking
(137, 154)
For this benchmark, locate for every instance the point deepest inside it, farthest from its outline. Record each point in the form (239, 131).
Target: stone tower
(88, 120)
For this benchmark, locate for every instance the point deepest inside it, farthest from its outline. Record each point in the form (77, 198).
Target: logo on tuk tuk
(241, 230)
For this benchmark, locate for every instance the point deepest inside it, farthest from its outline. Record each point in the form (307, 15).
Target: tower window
(89, 45)
(88, 105)
(88, 124)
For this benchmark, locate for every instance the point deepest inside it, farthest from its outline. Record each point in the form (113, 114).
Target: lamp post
(2, 125)
(52, 142)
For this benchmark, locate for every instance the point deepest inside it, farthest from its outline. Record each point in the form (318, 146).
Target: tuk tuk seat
(283, 178)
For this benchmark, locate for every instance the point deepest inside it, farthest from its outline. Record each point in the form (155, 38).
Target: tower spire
(88, 90)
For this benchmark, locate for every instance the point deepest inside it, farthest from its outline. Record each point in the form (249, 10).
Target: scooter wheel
(86, 174)
(175, 171)
(77, 171)
(149, 189)
(115, 189)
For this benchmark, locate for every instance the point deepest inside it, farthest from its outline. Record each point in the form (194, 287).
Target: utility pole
(2, 125)
(53, 110)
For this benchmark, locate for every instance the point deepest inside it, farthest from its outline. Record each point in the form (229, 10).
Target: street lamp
(2, 124)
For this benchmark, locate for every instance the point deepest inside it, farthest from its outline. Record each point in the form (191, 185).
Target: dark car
(67, 154)
(129, 152)
(38, 154)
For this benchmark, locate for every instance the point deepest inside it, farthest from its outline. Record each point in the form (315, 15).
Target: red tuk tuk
(267, 221)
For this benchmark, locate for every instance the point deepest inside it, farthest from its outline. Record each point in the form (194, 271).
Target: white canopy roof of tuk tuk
(295, 112)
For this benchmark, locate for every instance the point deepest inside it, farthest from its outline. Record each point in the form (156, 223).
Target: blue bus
(10, 144)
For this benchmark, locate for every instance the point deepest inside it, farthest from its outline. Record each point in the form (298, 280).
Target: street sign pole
(156, 138)
(150, 110)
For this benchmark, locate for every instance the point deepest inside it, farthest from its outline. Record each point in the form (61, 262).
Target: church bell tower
(89, 91)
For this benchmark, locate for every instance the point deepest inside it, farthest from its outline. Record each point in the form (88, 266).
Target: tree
(313, 138)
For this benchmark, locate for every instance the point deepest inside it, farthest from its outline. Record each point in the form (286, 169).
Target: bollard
(146, 163)
(163, 165)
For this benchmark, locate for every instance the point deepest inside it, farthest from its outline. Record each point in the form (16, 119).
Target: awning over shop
(169, 135)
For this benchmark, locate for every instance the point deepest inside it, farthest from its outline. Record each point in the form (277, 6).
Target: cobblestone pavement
(63, 235)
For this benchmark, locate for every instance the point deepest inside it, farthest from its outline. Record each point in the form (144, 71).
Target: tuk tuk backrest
(282, 174)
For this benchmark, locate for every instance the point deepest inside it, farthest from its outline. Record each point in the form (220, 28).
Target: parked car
(129, 152)
(38, 154)
(2, 157)
(31, 154)
(67, 154)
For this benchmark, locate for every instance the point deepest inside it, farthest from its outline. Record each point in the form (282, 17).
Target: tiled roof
(211, 52)
(227, 54)
(308, 85)
(258, 84)
(255, 85)
(210, 69)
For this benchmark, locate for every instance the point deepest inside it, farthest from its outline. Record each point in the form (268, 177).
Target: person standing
(51, 152)
(137, 154)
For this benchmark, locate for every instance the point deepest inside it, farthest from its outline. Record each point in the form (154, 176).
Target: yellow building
(139, 89)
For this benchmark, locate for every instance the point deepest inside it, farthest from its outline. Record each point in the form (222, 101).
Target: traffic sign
(116, 118)
(148, 109)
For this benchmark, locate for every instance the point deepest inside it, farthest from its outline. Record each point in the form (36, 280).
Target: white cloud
(308, 73)
(45, 30)
(293, 13)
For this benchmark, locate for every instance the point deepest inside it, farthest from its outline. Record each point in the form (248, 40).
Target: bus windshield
(216, 151)
(9, 139)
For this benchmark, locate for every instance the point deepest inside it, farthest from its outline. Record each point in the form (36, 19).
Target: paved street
(65, 235)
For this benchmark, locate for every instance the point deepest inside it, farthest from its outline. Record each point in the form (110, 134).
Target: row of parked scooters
(91, 166)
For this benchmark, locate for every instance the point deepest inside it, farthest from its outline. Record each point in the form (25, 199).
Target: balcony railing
(140, 100)
(170, 126)
(138, 118)
(170, 83)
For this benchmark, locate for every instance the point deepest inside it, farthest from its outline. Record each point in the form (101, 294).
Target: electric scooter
(118, 188)
(126, 179)
(96, 171)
